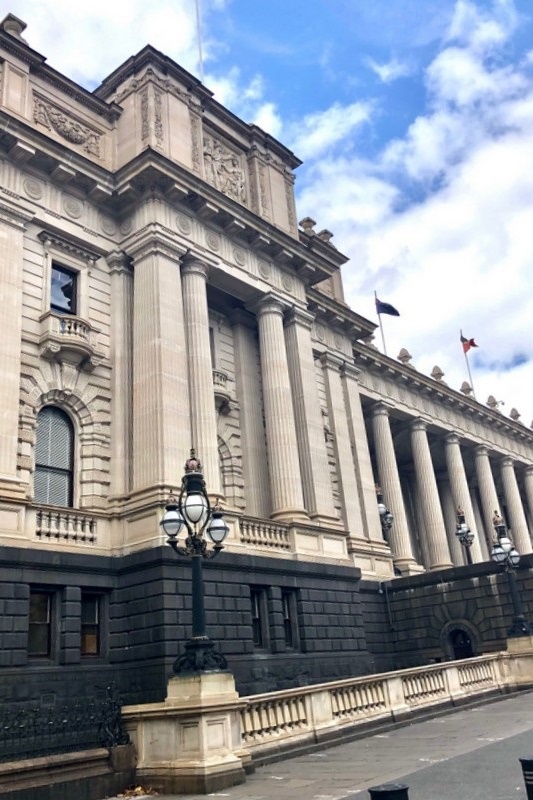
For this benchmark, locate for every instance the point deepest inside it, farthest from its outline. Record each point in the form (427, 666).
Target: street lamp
(505, 553)
(192, 511)
(464, 534)
(385, 516)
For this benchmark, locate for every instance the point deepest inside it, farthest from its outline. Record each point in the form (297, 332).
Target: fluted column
(517, 518)
(449, 510)
(121, 374)
(460, 490)
(161, 427)
(318, 497)
(390, 485)
(484, 540)
(487, 489)
(202, 401)
(361, 453)
(253, 441)
(282, 445)
(528, 487)
(439, 553)
(346, 478)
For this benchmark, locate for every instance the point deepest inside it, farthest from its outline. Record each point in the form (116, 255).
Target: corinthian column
(282, 445)
(389, 479)
(517, 518)
(460, 490)
(487, 489)
(202, 401)
(528, 486)
(439, 553)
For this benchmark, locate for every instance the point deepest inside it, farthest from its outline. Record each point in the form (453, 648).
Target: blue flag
(386, 308)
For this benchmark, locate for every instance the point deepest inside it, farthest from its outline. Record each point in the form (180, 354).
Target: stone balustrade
(65, 524)
(293, 718)
(260, 533)
(70, 338)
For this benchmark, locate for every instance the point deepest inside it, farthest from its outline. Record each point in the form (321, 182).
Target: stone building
(158, 294)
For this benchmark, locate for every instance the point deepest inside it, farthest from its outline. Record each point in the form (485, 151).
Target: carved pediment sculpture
(223, 170)
(68, 127)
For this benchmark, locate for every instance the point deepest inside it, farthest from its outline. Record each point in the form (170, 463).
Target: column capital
(452, 438)
(270, 304)
(119, 262)
(191, 265)
(151, 241)
(350, 371)
(507, 461)
(528, 470)
(418, 424)
(299, 316)
(381, 409)
(481, 451)
(331, 361)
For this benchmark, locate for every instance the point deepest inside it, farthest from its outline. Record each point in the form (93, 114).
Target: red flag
(467, 343)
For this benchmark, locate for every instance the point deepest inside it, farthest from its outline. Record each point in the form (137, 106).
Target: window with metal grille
(40, 625)
(90, 624)
(54, 458)
(63, 290)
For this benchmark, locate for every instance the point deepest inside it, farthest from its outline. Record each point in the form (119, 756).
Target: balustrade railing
(65, 523)
(286, 718)
(264, 534)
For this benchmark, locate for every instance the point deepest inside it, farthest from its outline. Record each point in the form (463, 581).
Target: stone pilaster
(253, 441)
(348, 488)
(12, 225)
(487, 489)
(201, 393)
(282, 445)
(460, 490)
(449, 510)
(121, 374)
(517, 518)
(361, 453)
(308, 418)
(439, 553)
(161, 427)
(389, 479)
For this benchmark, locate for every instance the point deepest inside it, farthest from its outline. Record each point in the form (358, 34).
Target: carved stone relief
(69, 128)
(223, 170)
(196, 135)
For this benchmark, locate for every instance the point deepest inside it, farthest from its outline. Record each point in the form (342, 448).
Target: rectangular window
(40, 625)
(90, 624)
(290, 618)
(63, 298)
(259, 617)
(212, 349)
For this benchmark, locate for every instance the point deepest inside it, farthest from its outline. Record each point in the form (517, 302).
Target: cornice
(338, 315)
(70, 244)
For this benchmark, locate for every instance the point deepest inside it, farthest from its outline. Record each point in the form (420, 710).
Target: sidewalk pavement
(470, 754)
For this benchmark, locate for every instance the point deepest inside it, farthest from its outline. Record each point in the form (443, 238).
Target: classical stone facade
(158, 294)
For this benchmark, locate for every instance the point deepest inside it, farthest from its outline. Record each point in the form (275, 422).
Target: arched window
(54, 458)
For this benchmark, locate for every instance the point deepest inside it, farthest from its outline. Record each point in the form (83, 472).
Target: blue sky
(414, 119)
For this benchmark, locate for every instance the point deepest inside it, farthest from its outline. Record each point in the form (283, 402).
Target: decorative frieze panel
(223, 169)
(66, 126)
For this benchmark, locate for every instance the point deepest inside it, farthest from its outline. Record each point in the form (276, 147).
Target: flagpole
(199, 36)
(468, 369)
(380, 323)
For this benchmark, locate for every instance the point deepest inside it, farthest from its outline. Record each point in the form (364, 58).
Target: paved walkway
(470, 754)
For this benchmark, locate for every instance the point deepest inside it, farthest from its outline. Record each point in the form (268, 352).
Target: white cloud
(389, 72)
(317, 133)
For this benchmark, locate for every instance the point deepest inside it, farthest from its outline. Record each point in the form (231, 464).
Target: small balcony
(68, 339)
(223, 394)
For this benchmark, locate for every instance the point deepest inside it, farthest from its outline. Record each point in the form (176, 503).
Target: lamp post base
(199, 656)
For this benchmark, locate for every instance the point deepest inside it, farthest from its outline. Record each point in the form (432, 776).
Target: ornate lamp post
(385, 516)
(505, 553)
(464, 534)
(192, 511)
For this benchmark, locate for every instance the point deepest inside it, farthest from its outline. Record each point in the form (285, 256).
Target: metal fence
(30, 730)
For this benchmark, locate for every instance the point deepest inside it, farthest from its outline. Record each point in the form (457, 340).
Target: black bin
(392, 791)
(527, 772)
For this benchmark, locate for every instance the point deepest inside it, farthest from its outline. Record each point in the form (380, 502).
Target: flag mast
(199, 37)
(380, 323)
(465, 353)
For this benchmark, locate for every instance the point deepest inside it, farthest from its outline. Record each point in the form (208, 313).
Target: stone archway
(459, 639)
